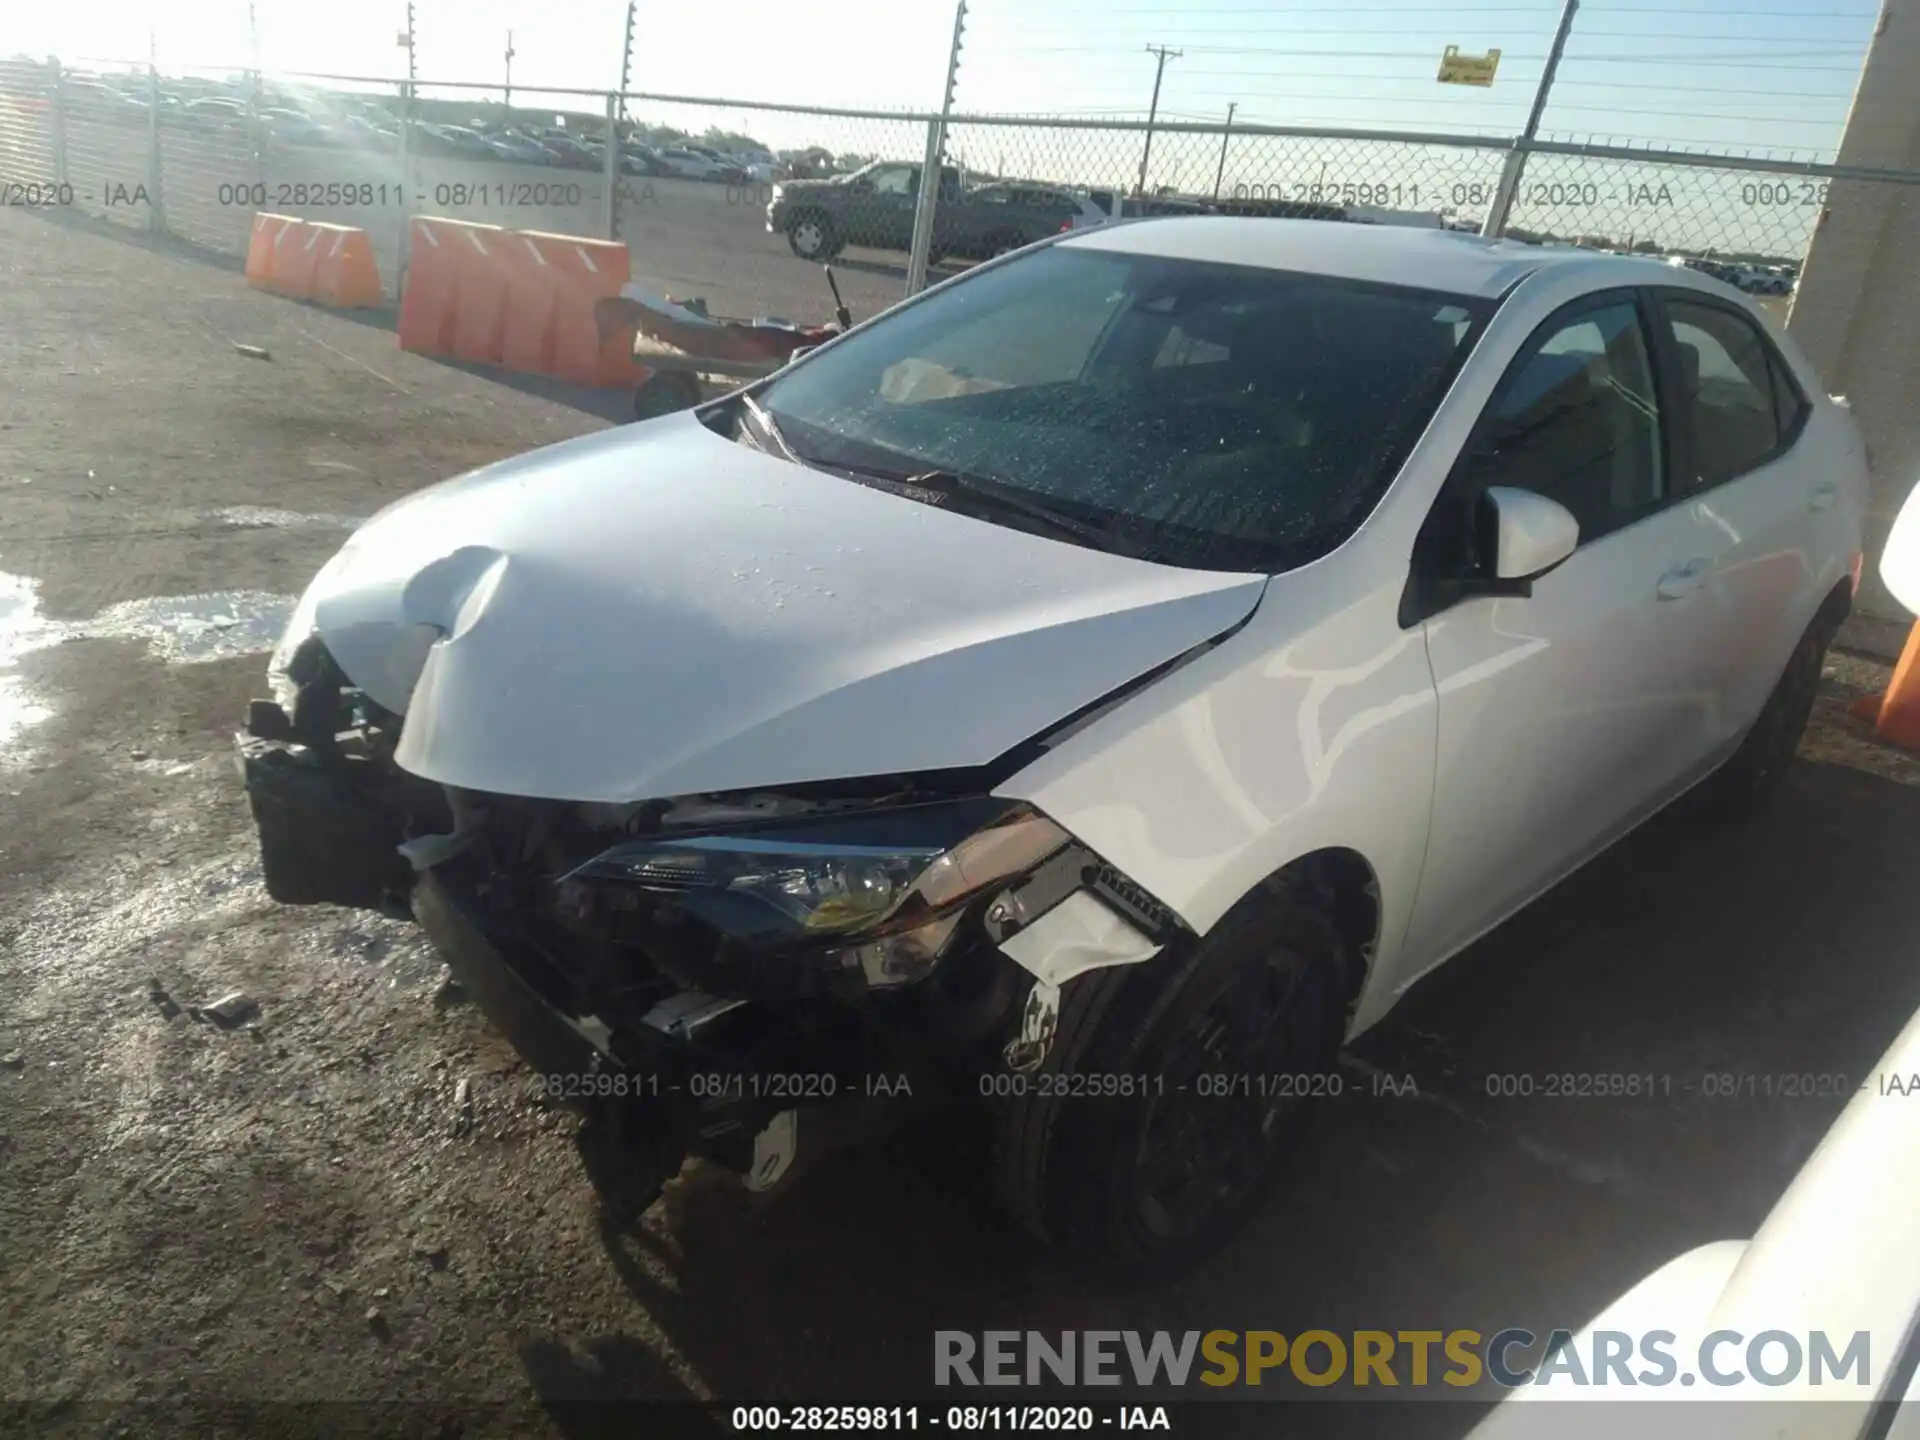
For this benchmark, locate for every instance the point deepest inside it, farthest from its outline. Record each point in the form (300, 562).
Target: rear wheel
(1217, 1063)
(1000, 245)
(1743, 785)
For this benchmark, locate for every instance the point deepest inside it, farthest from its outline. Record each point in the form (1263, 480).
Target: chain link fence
(736, 203)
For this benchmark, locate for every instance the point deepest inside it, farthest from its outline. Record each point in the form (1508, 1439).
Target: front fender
(1311, 728)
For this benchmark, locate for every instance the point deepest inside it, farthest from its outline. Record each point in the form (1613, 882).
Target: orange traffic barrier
(296, 255)
(260, 247)
(1896, 714)
(454, 299)
(345, 275)
(553, 283)
(311, 260)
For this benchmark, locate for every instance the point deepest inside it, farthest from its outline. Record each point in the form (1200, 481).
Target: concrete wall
(1857, 310)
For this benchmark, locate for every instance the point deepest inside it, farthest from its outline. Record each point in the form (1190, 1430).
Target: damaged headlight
(881, 891)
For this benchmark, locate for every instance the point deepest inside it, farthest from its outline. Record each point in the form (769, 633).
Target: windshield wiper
(768, 427)
(1010, 500)
(993, 495)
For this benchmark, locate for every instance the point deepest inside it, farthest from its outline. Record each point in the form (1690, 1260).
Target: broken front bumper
(328, 825)
(723, 1079)
(698, 1075)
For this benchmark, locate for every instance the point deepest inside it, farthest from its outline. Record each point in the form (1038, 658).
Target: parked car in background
(292, 127)
(212, 111)
(570, 150)
(365, 131)
(454, 140)
(510, 145)
(1138, 207)
(1189, 633)
(874, 206)
(688, 164)
(994, 219)
(638, 159)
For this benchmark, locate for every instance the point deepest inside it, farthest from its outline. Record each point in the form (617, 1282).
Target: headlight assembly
(879, 891)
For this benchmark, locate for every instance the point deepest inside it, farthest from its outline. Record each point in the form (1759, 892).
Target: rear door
(1752, 488)
(1567, 715)
(883, 216)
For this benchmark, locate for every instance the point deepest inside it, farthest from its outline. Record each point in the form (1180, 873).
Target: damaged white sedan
(1091, 690)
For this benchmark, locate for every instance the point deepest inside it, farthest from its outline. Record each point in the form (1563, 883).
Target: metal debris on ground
(252, 352)
(229, 1010)
(12, 1060)
(463, 1107)
(168, 1010)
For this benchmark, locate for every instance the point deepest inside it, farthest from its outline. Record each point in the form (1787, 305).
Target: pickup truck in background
(874, 206)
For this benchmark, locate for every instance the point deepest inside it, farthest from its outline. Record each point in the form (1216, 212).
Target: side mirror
(1523, 535)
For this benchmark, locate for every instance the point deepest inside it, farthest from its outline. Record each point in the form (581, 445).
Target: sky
(1747, 74)
(1760, 77)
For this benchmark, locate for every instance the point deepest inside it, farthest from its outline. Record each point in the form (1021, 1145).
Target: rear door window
(1727, 384)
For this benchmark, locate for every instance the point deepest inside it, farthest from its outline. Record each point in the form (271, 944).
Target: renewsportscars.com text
(1397, 1358)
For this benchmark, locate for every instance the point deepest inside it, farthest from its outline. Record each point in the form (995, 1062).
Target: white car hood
(655, 610)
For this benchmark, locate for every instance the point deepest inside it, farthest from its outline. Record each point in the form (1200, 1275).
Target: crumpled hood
(655, 610)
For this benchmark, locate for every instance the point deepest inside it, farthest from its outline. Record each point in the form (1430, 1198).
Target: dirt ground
(301, 1209)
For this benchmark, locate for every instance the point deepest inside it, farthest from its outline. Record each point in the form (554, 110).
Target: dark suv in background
(874, 206)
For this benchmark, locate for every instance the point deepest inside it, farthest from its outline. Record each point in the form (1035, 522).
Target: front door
(1567, 715)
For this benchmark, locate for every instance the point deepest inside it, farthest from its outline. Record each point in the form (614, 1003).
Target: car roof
(1452, 261)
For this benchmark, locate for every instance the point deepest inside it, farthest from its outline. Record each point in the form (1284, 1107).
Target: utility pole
(1218, 175)
(626, 56)
(1504, 192)
(1153, 110)
(509, 92)
(406, 39)
(926, 202)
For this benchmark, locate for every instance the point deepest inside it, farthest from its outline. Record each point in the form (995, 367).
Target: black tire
(664, 393)
(1741, 787)
(998, 245)
(812, 236)
(1118, 1184)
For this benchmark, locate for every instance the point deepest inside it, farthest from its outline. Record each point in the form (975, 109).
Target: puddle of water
(265, 517)
(180, 629)
(20, 630)
(189, 629)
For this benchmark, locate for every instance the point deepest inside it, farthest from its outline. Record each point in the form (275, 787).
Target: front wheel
(1217, 1056)
(664, 393)
(812, 237)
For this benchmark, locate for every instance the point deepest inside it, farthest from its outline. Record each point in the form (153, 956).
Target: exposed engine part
(1019, 906)
(687, 812)
(1027, 1051)
(423, 852)
(681, 1016)
(774, 1149)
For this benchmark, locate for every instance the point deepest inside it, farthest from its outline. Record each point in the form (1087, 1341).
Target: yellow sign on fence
(1458, 69)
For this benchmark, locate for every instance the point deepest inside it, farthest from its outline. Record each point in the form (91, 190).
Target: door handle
(1683, 579)
(1823, 495)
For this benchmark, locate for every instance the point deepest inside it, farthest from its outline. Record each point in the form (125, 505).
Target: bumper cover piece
(327, 830)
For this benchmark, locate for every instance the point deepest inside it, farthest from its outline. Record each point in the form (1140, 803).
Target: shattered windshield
(1214, 416)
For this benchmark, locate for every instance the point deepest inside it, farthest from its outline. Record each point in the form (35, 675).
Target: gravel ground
(303, 1209)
